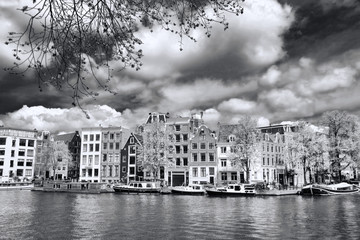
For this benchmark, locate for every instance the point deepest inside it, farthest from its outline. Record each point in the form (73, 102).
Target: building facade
(131, 164)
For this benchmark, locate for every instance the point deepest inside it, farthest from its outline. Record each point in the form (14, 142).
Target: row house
(203, 164)
(100, 153)
(131, 164)
(17, 154)
(70, 169)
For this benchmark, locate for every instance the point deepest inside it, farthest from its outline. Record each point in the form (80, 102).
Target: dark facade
(131, 165)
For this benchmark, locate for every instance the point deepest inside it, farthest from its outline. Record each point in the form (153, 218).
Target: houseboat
(71, 187)
(138, 187)
(192, 189)
(331, 189)
(235, 190)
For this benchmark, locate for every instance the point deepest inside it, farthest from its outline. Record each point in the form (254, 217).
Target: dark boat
(332, 189)
(235, 190)
(138, 187)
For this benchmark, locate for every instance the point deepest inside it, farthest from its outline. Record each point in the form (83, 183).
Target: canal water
(38, 215)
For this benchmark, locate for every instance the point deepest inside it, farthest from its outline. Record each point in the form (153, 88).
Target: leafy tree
(153, 151)
(344, 140)
(66, 40)
(244, 151)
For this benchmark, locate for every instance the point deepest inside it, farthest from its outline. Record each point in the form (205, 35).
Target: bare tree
(245, 150)
(153, 151)
(67, 40)
(344, 140)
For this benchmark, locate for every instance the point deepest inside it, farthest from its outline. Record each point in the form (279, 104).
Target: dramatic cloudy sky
(280, 60)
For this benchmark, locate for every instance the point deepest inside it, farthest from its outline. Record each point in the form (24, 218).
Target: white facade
(17, 154)
(90, 159)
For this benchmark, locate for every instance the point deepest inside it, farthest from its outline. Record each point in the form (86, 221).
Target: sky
(283, 60)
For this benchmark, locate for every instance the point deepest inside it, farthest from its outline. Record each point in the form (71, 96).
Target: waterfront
(38, 215)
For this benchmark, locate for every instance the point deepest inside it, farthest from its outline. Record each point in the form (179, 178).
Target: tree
(54, 155)
(244, 151)
(66, 40)
(344, 140)
(153, 151)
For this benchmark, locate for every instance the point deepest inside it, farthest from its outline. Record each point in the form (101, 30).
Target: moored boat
(236, 190)
(69, 187)
(332, 189)
(138, 187)
(16, 186)
(191, 189)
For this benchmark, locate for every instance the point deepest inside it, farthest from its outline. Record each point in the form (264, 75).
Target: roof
(178, 120)
(65, 137)
(225, 131)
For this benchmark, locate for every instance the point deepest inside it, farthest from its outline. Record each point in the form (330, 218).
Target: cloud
(236, 105)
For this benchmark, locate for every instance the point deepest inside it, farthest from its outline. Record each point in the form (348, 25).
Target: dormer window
(232, 138)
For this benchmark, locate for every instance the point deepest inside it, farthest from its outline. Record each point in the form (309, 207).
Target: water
(38, 215)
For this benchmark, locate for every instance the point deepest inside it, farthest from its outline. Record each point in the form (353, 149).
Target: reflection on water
(36, 215)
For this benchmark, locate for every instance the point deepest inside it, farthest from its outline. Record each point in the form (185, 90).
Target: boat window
(148, 185)
(131, 184)
(231, 187)
(237, 188)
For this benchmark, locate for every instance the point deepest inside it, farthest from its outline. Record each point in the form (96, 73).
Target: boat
(16, 186)
(69, 187)
(331, 189)
(138, 187)
(191, 189)
(232, 190)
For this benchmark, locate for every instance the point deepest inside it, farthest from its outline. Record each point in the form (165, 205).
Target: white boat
(16, 186)
(138, 187)
(191, 189)
(332, 189)
(236, 190)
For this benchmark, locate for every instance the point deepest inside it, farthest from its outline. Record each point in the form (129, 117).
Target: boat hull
(319, 190)
(221, 193)
(187, 192)
(136, 190)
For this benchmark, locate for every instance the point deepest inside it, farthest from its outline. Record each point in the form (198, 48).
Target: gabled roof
(225, 131)
(64, 137)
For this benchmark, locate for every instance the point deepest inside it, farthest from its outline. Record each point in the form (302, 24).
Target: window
(84, 147)
(97, 147)
(123, 169)
(31, 143)
(97, 160)
(224, 176)
(117, 146)
(177, 149)
(263, 160)
(185, 149)
(12, 153)
(106, 136)
(211, 171)
(194, 155)
(195, 172)
(92, 137)
(268, 161)
(96, 172)
(21, 152)
(105, 146)
(177, 137)
(117, 157)
(211, 145)
(104, 157)
(111, 146)
(185, 161)
(132, 170)
(2, 152)
(1, 172)
(232, 138)
(185, 137)
(22, 142)
(211, 157)
(110, 171)
(11, 163)
(194, 146)
(111, 136)
(28, 172)
(203, 157)
(14, 143)
(1, 162)
(2, 141)
(20, 162)
(103, 172)
(178, 162)
(223, 162)
(98, 138)
(177, 128)
(123, 159)
(19, 172)
(90, 160)
(91, 147)
(90, 172)
(84, 160)
(132, 160)
(85, 138)
(203, 172)
(234, 176)
(132, 149)
(117, 136)
(202, 146)
(223, 149)
(131, 140)
(116, 171)
(110, 157)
